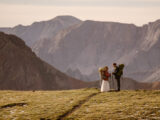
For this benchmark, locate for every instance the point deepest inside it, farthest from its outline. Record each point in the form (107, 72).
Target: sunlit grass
(124, 105)
(41, 104)
(129, 105)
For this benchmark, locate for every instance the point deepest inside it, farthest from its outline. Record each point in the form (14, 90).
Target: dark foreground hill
(21, 69)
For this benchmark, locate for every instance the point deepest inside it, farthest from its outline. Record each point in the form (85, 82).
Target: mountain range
(21, 69)
(79, 48)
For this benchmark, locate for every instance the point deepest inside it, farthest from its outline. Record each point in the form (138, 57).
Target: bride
(104, 74)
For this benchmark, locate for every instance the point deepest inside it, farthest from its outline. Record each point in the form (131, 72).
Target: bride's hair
(114, 63)
(106, 67)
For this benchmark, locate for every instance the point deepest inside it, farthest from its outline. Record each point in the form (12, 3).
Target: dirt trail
(62, 117)
(12, 105)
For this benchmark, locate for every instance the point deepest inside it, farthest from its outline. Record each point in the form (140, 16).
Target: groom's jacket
(115, 73)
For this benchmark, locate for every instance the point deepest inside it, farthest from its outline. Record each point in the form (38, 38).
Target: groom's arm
(115, 71)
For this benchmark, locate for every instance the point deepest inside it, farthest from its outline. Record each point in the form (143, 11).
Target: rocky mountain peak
(66, 18)
(37, 31)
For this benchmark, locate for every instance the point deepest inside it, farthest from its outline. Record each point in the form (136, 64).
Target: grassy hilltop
(83, 104)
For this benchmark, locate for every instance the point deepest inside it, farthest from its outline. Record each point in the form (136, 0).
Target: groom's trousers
(118, 82)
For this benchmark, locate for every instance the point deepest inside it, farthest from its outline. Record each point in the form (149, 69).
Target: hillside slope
(21, 69)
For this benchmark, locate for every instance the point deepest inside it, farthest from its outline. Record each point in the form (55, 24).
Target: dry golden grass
(124, 105)
(40, 104)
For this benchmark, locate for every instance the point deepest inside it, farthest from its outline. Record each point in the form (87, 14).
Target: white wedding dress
(105, 86)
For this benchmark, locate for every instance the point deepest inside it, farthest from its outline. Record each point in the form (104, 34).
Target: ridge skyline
(74, 17)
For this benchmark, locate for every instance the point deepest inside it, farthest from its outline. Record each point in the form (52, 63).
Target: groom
(117, 77)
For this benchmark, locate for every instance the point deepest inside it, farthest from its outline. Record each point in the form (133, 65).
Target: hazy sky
(25, 12)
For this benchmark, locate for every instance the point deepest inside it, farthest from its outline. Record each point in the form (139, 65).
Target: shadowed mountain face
(21, 69)
(80, 49)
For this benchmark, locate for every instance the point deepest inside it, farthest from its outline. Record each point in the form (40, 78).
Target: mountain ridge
(41, 30)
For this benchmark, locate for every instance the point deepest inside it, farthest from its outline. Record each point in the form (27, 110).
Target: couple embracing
(105, 75)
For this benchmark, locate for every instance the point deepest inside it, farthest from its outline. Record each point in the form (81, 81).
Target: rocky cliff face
(93, 44)
(90, 45)
(21, 69)
(41, 30)
(147, 58)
